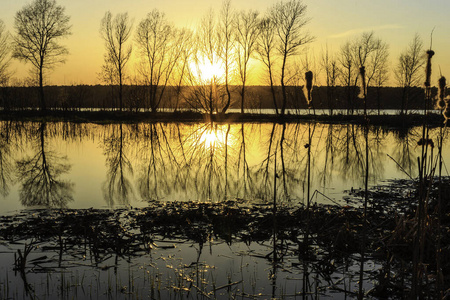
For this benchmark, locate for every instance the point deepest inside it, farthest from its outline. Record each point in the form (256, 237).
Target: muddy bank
(397, 121)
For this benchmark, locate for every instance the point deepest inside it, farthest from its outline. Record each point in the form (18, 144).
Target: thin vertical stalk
(366, 199)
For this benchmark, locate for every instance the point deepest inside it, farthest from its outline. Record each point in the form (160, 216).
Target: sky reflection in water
(88, 165)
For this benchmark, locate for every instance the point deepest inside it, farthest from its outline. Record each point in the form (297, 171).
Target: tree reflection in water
(118, 188)
(210, 161)
(216, 162)
(160, 162)
(40, 174)
(6, 167)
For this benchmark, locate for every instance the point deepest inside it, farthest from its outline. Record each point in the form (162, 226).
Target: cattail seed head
(442, 85)
(362, 88)
(430, 54)
(308, 87)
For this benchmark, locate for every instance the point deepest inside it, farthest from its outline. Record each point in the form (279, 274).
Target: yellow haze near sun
(206, 71)
(212, 136)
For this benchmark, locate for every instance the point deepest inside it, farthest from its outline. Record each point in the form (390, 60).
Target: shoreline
(398, 121)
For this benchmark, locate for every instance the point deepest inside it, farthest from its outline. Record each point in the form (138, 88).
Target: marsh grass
(199, 264)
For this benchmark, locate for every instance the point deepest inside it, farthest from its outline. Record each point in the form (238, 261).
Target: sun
(206, 70)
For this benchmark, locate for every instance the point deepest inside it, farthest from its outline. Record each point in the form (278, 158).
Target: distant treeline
(259, 97)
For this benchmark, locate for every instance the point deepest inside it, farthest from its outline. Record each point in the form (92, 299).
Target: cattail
(362, 87)
(430, 54)
(308, 87)
(442, 84)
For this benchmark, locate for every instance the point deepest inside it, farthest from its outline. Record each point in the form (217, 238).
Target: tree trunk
(242, 98)
(283, 87)
(41, 89)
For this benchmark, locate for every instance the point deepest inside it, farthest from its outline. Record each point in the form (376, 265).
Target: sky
(333, 22)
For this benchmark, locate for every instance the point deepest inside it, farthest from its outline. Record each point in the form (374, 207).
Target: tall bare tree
(347, 71)
(5, 60)
(371, 54)
(226, 35)
(182, 70)
(380, 78)
(246, 25)
(39, 27)
(329, 63)
(161, 46)
(204, 92)
(4, 55)
(290, 19)
(116, 32)
(408, 71)
(266, 53)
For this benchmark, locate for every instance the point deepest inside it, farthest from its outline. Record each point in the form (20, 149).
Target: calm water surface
(54, 165)
(88, 165)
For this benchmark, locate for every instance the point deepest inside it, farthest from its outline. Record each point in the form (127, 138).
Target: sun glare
(214, 137)
(207, 70)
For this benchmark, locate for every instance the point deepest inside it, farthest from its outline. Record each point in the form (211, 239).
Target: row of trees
(209, 60)
(223, 53)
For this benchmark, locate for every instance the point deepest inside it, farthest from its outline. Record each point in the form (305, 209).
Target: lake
(88, 165)
(125, 176)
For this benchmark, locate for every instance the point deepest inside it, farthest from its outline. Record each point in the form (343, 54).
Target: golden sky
(333, 22)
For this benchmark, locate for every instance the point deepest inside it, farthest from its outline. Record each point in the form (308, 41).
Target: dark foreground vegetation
(320, 240)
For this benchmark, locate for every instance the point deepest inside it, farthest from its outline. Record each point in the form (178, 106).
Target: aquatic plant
(443, 101)
(308, 87)
(362, 88)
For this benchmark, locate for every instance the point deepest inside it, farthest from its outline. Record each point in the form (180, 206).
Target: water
(140, 243)
(105, 166)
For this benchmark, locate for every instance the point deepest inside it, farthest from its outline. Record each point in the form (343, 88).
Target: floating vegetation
(230, 249)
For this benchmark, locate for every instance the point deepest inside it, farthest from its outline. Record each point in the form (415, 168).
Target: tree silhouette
(266, 53)
(39, 26)
(348, 71)
(5, 59)
(6, 168)
(290, 20)
(329, 64)
(408, 71)
(205, 91)
(161, 45)
(371, 55)
(116, 32)
(246, 24)
(118, 187)
(39, 176)
(226, 38)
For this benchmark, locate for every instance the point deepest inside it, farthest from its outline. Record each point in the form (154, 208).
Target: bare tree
(290, 19)
(347, 72)
(116, 32)
(204, 93)
(380, 78)
(4, 55)
(330, 65)
(265, 49)
(161, 46)
(5, 60)
(182, 70)
(372, 55)
(246, 25)
(226, 35)
(408, 71)
(40, 176)
(39, 26)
